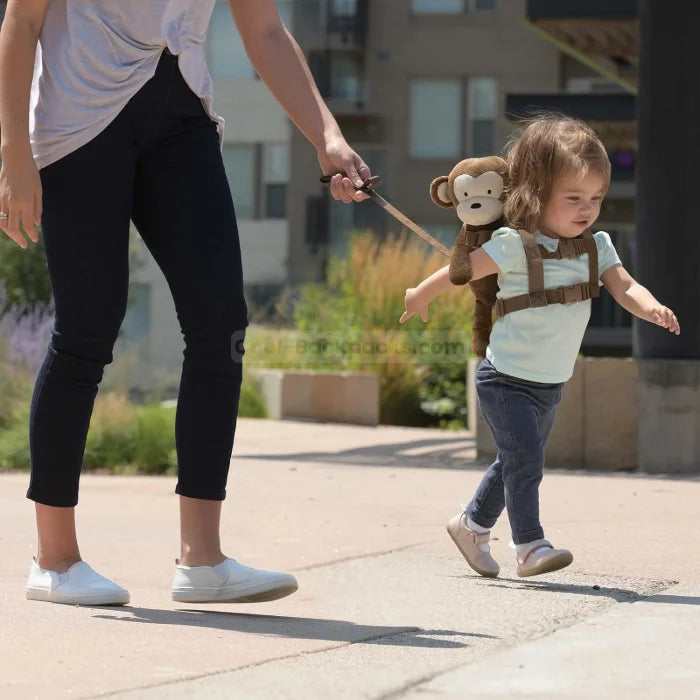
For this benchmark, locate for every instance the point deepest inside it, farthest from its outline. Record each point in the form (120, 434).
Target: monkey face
(479, 198)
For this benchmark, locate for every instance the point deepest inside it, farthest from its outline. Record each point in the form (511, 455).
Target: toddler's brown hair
(542, 150)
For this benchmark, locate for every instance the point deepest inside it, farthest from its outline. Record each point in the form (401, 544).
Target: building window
(343, 8)
(239, 161)
(226, 54)
(275, 176)
(481, 116)
(453, 117)
(484, 5)
(437, 7)
(258, 175)
(286, 10)
(346, 76)
(435, 118)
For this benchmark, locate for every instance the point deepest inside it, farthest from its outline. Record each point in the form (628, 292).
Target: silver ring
(4, 215)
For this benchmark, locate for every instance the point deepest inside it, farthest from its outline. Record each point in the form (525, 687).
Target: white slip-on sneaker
(80, 585)
(229, 582)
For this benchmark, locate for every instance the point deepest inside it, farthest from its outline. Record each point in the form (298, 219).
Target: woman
(122, 128)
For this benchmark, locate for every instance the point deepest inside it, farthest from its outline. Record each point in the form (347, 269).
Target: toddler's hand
(664, 317)
(415, 304)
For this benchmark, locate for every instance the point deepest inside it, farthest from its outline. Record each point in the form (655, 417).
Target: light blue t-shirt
(540, 344)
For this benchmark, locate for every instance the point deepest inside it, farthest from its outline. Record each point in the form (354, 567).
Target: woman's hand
(349, 171)
(415, 303)
(20, 197)
(664, 317)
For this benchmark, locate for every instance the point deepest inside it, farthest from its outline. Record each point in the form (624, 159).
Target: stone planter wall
(338, 397)
(596, 424)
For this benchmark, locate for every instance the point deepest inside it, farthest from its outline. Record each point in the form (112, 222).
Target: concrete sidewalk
(386, 606)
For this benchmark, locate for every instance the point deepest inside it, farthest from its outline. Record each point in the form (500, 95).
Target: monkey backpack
(475, 188)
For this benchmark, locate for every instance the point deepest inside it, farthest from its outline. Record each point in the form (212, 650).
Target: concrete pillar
(668, 243)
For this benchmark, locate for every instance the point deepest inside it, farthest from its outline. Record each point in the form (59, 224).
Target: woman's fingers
(27, 222)
(338, 189)
(665, 318)
(352, 192)
(38, 206)
(12, 226)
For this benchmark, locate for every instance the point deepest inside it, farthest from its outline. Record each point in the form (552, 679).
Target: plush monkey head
(475, 187)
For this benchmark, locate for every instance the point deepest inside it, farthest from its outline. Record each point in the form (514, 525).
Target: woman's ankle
(60, 564)
(200, 558)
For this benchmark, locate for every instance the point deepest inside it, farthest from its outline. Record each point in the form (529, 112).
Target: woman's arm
(638, 300)
(280, 63)
(418, 298)
(20, 186)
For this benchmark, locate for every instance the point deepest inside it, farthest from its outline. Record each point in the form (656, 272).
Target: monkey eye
(489, 192)
(466, 194)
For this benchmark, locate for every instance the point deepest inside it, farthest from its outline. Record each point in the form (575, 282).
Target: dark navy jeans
(520, 414)
(158, 164)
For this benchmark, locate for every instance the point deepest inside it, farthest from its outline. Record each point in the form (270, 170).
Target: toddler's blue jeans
(520, 414)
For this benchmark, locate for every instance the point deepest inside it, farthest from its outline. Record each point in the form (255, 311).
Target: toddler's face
(574, 204)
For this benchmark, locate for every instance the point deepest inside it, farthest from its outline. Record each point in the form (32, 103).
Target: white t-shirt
(95, 55)
(540, 344)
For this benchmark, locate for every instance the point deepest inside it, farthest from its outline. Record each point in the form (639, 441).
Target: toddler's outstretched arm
(418, 298)
(638, 300)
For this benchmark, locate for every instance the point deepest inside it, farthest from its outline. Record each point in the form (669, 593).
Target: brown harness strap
(539, 296)
(477, 238)
(592, 250)
(535, 271)
(567, 248)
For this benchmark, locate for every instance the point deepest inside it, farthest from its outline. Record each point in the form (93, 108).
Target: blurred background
(416, 85)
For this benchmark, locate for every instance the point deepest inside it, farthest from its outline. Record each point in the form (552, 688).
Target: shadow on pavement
(445, 455)
(292, 627)
(620, 595)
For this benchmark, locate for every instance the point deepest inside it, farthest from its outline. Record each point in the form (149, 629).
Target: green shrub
(15, 391)
(14, 446)
(364, 297)
(252, 404)
(24, 273)
(125, 437)
(154, 441)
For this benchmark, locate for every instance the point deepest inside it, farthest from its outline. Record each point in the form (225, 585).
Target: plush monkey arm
(484, 290)
(460, 264)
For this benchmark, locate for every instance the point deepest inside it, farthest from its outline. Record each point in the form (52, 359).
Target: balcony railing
(581, 9)
(348, 19)
(590, 107)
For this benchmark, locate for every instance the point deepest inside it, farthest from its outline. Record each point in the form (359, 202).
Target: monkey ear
(439, 192)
